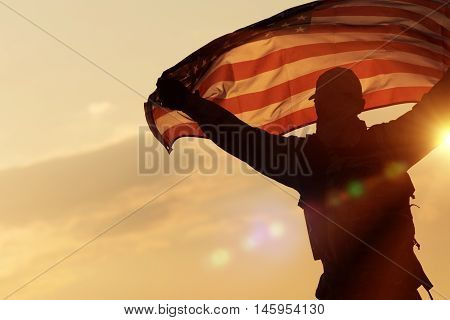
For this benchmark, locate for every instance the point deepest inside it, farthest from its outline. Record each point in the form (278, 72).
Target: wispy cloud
(98, 108)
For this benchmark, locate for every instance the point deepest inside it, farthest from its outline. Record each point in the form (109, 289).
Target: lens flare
(394, 169)
(276, 229)
(262, 233)
(355, 189)
(249, 243)
(220, 257)
(257, 236)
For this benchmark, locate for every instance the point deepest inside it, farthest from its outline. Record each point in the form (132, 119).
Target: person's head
(338, 96)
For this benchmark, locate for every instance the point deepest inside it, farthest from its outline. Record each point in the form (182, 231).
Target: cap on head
(340, 80)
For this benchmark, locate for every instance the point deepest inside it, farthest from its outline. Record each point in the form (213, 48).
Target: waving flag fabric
(265, 73)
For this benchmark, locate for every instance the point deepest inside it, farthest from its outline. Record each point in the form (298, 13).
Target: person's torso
(355, 196)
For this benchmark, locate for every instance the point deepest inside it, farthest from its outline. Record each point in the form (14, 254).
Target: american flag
(265, 73)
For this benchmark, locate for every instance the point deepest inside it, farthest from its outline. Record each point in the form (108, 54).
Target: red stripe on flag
(291, 121)
(386, 97)
(363, 69)
(158, 112)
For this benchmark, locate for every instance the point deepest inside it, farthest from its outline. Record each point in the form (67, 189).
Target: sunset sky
(70, 167)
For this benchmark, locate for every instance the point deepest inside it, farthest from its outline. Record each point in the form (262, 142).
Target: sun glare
(446, 139)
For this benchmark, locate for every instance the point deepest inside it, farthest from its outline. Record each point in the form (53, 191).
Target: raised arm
(275, 156)
(416, 133)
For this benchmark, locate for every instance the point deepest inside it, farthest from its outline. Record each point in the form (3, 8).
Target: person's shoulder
(310, 144)
(377, 136)
(377, 129)
(375, 132)
(308, 139)
(296, 139)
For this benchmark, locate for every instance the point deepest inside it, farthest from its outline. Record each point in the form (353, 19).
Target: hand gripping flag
(265, 73)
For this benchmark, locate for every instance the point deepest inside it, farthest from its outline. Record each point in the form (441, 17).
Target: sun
(446, 139)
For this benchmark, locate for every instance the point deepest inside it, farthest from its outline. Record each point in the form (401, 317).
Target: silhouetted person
(355, 192)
